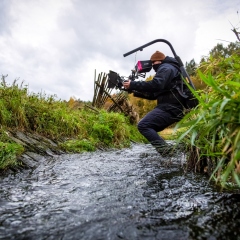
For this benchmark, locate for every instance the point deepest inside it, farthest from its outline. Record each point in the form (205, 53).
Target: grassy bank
(212, 130)
(76, 129)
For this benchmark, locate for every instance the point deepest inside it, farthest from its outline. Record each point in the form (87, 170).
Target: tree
(235, 31)
(191, 67)
(220, 51)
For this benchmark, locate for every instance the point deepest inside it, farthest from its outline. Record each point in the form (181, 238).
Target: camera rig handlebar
(142, 67)
(183, 71)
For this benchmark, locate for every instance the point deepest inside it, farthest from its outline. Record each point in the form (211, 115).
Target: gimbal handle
(184, 72)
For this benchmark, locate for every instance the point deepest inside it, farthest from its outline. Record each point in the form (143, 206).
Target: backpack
(183, 86)
(190, 101)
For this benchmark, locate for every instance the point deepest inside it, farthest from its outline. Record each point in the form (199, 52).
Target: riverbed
(130, 194)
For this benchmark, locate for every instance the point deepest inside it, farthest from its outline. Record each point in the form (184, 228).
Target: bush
(78, 146)
(9, 153)
(212, 130)
(77, 129)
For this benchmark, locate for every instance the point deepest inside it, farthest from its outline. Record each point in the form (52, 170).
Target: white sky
(55, 46)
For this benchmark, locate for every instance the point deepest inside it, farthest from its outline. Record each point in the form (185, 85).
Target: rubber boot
(165, 150)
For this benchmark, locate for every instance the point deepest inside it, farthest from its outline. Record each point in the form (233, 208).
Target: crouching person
(164, 88)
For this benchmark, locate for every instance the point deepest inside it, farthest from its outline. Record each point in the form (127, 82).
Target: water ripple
(123, 194)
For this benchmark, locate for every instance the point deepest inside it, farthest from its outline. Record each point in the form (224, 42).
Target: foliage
(220, 51)
(78, 146)
(104, 130)
(212, 131)
(84, 129)
(198, 83)
(9, 153)
(191, 67)
(142, 106)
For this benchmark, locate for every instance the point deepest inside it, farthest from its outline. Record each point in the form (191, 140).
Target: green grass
(9, 153)
(84, 129)
(212, 130)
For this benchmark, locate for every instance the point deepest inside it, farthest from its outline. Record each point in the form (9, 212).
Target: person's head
(157, 59)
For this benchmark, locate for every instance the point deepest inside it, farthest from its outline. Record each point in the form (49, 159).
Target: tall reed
(212, 130)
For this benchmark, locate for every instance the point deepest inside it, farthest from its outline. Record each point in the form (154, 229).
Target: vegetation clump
(212, 130)
(75, 129)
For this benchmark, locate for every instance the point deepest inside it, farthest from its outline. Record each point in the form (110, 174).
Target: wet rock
(28, 161)
(37, 157)
(37, 147)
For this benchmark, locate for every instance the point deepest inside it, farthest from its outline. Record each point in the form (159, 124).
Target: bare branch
(236, 33)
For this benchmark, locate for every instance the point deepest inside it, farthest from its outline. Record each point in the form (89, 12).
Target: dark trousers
(157, 120)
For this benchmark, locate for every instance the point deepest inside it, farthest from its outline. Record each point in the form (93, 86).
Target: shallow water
(123, 194)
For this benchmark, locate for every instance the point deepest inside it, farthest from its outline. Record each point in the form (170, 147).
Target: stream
(130, 194)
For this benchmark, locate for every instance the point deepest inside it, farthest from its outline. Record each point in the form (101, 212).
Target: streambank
(37, 148)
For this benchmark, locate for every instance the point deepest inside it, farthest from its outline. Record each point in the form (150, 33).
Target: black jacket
(163, 86)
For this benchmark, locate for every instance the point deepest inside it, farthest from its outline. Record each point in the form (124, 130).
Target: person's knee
(141, 127)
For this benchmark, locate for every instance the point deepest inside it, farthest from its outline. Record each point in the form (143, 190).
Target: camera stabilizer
(141, 68)
(115, 81)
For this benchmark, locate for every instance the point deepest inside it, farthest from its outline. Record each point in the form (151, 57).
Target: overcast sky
(54, 46)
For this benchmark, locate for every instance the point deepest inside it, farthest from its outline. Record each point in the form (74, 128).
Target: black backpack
(190, 101)
(183, 86)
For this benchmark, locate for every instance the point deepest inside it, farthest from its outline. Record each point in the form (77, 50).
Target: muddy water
(123, 194)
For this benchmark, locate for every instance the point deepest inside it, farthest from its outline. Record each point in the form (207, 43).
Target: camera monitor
(143, 66)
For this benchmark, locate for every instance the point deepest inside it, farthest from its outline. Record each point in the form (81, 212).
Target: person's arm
(158, 83)
(145, 95)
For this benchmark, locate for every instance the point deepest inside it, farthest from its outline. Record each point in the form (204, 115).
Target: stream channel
(117, 194)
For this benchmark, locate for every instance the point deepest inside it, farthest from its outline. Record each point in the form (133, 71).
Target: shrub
(78, 146)
(9, 153)
(212, 130)
(77, 129)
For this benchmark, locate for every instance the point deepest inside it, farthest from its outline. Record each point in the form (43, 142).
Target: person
(164, 87)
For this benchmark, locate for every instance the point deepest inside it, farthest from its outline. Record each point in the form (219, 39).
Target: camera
(115, 81)
(140, 70)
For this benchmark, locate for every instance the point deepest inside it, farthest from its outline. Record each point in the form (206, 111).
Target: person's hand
(126, 84)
